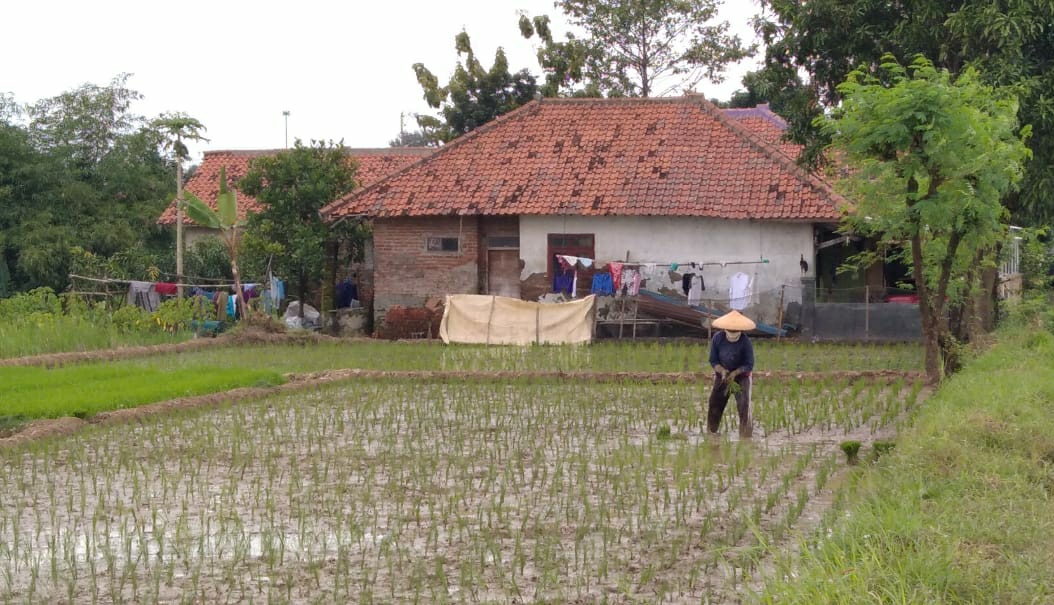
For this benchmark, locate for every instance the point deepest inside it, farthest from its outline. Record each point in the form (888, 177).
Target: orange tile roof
(644, 157)
(373, 165)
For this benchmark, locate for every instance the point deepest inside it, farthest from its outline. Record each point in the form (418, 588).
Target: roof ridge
(528, 107)
(348, 150)
(767, 148)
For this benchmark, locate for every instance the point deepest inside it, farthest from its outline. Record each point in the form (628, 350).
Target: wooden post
(779, 322)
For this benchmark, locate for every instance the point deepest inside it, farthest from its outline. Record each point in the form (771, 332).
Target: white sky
(343, 69)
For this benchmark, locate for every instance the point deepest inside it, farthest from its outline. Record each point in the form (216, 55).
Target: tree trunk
(930, 328)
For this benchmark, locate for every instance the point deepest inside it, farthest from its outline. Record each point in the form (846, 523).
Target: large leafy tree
(474, 95)
(932, 156)
(1007, 43)
(79, 171)
(293, 186)
(635, 47)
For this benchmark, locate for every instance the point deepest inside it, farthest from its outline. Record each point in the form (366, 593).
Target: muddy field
(404, 490)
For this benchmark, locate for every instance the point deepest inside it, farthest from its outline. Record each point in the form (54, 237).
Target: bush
(130, 318)
(177, 314)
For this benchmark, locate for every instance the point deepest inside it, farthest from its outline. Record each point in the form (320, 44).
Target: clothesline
(108, 280)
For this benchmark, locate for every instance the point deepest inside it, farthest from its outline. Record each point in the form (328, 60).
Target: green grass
(65, 334)
(88, 389)
(961, 511)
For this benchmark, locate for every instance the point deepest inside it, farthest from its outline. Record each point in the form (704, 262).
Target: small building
(662, 186)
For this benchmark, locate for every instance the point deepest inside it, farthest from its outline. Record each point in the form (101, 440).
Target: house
(373, 164)
(668, 186)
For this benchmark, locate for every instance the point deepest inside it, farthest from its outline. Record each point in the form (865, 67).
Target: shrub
(130, 318)
(177, 314)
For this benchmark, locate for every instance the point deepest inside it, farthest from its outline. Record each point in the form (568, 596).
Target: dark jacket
(738, 355)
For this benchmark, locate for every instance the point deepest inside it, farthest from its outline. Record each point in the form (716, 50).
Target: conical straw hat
(735, 321)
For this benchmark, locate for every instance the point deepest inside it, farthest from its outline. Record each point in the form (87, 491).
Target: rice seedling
(408, 490)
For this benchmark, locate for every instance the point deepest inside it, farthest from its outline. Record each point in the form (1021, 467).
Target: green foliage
(293, 186)
(176, 314)
(1036, 258)
(851, 449)
(931, 158)
(473, 96)
(880, 448)
(82, 173)
(960, 511)
(84, 390)
(1008, 44)
(208, 258)
(128, 319)
(638, 48)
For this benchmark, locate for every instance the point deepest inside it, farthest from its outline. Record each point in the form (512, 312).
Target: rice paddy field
(446, 490)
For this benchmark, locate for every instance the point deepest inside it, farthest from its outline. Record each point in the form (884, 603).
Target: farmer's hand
(721, 371)
(732, 375)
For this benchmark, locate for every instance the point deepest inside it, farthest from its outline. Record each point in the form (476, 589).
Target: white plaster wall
(667, 240)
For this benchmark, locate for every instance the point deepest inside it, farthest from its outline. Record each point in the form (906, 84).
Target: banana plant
(225, 219)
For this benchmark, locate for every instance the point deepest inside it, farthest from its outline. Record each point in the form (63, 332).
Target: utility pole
(286, 115)
(179, 226)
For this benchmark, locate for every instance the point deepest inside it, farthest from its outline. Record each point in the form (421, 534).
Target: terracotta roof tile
(660, 157)
(373, 165)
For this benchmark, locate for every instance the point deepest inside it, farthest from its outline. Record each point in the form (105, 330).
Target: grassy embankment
(962, 510)
(65, 334)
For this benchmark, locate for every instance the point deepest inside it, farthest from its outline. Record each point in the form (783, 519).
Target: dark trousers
(719, 399)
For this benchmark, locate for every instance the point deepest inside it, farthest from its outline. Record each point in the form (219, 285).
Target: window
(441, 244)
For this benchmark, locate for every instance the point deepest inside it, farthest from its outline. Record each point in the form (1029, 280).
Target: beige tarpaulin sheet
(497, 320)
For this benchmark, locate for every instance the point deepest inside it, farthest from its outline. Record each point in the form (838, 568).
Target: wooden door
(503, 273)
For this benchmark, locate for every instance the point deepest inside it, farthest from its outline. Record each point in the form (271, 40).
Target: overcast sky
(343, 69)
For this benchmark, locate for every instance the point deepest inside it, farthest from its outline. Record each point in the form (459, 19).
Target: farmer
(732, 357)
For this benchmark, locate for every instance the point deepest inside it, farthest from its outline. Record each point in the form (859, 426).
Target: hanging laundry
(277, 290)
(232, 306)
(563, 282)
(221, 305)
(143, 294)
(695, 293)
(739, 291)
(686, 282)
(616, 275)
(648, 270)
(166, 288)
(574, 284)
(634, 284)
(602, 284)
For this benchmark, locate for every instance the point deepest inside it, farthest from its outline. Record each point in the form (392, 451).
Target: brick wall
(406, 274)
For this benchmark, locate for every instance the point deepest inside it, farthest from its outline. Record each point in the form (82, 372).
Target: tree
(225, 219)
(474, 95)
(82, 172)
(177, 128)
(292, 187)
(931, 157)
(636, 47)
(1008, 44)
(416, 138)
